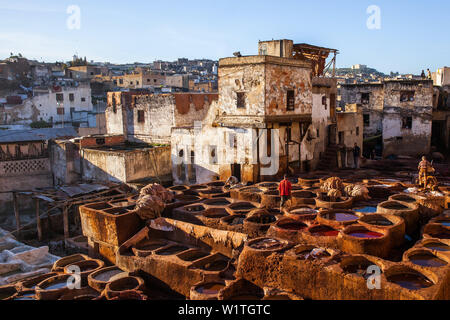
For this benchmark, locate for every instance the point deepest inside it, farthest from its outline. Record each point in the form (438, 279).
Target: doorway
(236, 171)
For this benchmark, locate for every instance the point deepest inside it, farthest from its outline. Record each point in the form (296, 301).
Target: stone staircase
(329, 159)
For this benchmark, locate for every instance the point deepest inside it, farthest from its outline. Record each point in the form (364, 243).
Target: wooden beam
(16, 213)
(38, 221)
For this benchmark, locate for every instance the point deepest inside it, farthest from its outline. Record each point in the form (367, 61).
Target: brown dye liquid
(442, 235)
(410, 281)
(217, 265)
(172, 250)
(219, 203)
(427, 260)
(243, 206)
(437, 246)
(5, 295)
(195, 256)
(88, 267)
(236, 221)
(210, 288)
(150, 247)
(195, 209)
(395, 206)
(263, 219)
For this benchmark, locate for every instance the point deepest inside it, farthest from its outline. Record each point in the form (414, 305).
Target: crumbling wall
(401, 140)
(373, 107)
(247, 78)
(280, 79)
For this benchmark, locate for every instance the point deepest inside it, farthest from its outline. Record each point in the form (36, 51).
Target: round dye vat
(316, 253)
(442, 235)
(341, 216)
(304, 211)
(236, 221)
(171, 250)
(380, 221)
(105, 276)
(292, 226)
(445, 224)
(366, 209)
(266, 244)
(323, 231)
(411, 281)
(366, 234)
(427, 260)
(217, 265)
(29, 296)
(437, 246)
(262, 219)
(359, 269)
(57, 285)
(210, 288)
(194, 208)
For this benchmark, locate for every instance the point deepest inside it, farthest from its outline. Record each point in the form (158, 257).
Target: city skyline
(118, 33)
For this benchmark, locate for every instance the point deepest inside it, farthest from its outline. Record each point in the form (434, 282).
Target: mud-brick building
(407, 117)
(274, 114)
(149, 118)
(370, 96)
(397, 115)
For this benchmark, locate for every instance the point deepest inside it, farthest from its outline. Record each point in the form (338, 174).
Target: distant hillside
(364, 72)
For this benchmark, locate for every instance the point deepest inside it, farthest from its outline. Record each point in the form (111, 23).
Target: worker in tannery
(423, 167)
(356, 155)
(285, 188)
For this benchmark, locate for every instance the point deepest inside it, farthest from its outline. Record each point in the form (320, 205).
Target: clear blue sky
(413, 34)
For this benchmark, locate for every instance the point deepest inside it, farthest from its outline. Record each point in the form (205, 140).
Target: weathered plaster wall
(280, 79)
(125, 165)
(352, 93)
(403, 141)
(44, 106)
(160, 113)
